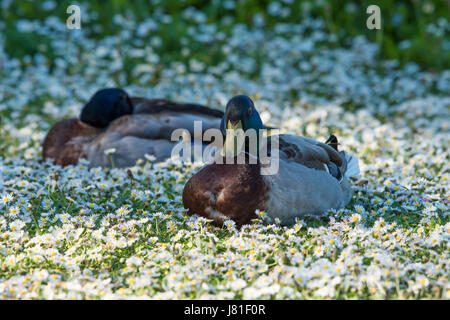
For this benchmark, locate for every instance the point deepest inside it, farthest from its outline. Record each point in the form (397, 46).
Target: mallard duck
(312, 177)
(128, 127)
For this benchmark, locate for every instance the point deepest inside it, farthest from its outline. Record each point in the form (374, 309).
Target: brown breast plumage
(59, 144)
(221, 191)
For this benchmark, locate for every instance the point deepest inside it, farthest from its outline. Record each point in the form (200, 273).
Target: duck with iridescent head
(311, 177)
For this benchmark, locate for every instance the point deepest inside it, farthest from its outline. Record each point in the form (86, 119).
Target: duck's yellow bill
(234, 139)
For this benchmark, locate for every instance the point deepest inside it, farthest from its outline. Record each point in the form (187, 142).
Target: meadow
(109, 233)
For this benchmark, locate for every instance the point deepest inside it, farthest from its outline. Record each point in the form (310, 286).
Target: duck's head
(105, 106)
(240, 113)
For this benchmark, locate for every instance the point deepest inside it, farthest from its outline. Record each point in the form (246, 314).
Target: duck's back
(59, 143)
(152, 106)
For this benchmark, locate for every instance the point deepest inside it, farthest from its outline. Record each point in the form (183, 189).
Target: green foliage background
(401, 20)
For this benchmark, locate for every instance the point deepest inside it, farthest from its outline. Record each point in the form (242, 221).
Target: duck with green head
(131, 126)
(312, 177)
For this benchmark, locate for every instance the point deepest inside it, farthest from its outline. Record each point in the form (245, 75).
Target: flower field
(99, 233)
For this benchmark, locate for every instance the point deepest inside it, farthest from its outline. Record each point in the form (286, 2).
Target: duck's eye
(249, 111)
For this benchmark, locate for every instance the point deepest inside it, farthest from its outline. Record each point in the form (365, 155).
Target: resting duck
(132, 127)
(312, 177)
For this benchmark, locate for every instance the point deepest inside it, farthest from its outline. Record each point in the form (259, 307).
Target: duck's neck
(244, 159)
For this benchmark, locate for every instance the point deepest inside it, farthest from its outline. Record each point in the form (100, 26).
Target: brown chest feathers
(226, 191)
(59, 143)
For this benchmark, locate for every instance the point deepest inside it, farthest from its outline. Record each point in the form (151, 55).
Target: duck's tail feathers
(351, 164)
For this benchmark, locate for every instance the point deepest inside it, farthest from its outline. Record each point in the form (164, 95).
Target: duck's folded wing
(161, 125)
(126, 150)
(307, 152)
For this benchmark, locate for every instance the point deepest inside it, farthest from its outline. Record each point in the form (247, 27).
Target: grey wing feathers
(308, 151)
(333, 155)
(317, 155)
